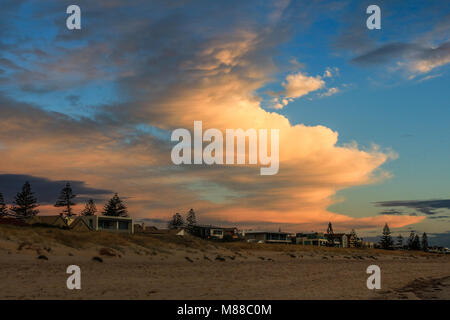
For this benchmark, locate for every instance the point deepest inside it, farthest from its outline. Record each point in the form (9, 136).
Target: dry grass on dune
(162, 242)
(84, 240)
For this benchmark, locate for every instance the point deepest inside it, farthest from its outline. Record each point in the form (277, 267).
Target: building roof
(207, 226)
(114, 217)
(259, 231)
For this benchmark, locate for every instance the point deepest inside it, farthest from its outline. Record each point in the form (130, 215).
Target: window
(123, 225)
(106, 224)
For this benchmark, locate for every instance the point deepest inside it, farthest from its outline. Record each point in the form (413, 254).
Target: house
(142, 228)
(367, 244)
(109, 223)
(231, 232)
(352, 239)
(55, 221)
(266, 236)
(80, 224)
(311, 239)
(339, 240)
(208, 231)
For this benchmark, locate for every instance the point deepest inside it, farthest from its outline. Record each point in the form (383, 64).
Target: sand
(170, 267)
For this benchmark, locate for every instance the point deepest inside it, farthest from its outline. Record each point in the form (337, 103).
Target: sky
(362, 114)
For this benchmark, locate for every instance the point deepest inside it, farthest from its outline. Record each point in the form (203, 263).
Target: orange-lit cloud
(215, 83)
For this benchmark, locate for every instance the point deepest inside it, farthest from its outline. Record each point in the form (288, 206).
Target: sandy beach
(33, 263)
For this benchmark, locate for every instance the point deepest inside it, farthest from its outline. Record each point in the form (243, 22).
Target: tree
(411, 240)
(330, 234)
(177, 221)
(115, 207)
(65, 200)
(415, 242)
(25, 203)
(386, 240)
(190, 219)
(90, 209)
(3, 210)
(424, 242)
(400, 241)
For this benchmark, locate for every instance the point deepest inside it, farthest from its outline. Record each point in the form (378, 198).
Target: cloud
(428, 207)
(413, 57)
(45, 189)
(330, 92)
(392, 212)
(299, 84)
(387, 53)
(176, 67)
(331, 72)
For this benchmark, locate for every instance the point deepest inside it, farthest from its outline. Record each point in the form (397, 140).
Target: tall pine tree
(3, 210)
(65, 200)
(191, 219)
(25, 203)
(177, 221)
(115, 207)
(416, 242)
(400, 241)
(386, 240)
(412, 235)
(424, 242)
(90, 209)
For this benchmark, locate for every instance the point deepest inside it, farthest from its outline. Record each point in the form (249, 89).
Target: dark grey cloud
(394, 212)
(428, 207)
(404, 51)
(445, 217)
(46, 190)
(387, 52)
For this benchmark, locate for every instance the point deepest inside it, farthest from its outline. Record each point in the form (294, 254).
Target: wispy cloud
(428, 207)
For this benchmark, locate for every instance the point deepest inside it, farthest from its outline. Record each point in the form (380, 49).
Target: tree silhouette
(115, 207)
(191, 219)
(177, 221)
(424, 242)
(400, 241)
(25, 203)
(386, 240)
(411, 240)
(65, 200)
(3, 209)
(415, 243)
(90, 209)
(330, 234)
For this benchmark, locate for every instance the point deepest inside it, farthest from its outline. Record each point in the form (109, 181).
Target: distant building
(109, 223)
(79, 224)
(352, 239)
(142, 228)
(266, 236)
(212, 232)
(54, 221)
(339, 240)
(367, 244)
(311, 239)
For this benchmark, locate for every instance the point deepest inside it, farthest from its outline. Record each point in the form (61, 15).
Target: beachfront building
(352, 240)
(142, 228)
(54, 221)
(311, 239)
(339, 240)
(266, 236)
(109, 223)
(212, 232)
